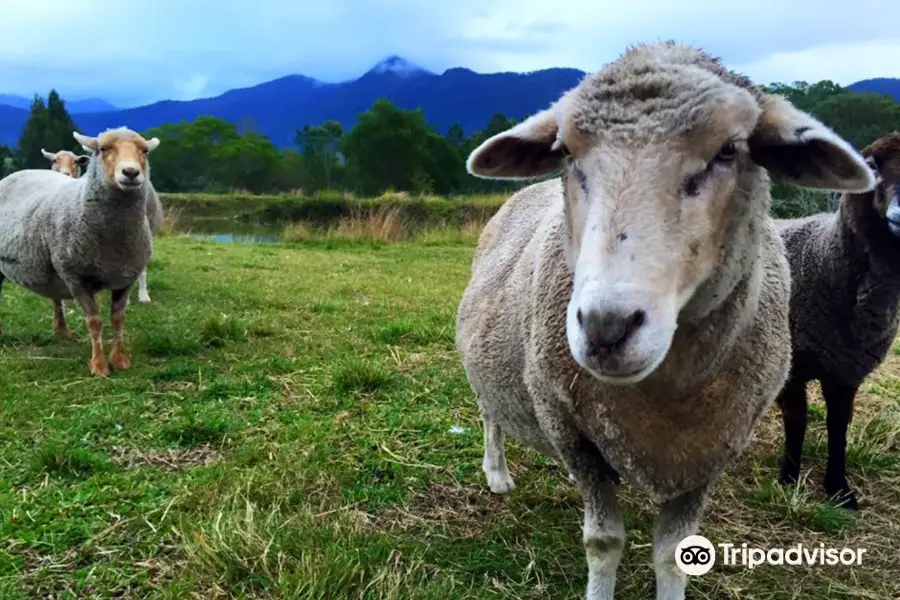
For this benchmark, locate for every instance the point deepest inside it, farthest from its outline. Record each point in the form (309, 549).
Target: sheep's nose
(608, 329)
(130, 172)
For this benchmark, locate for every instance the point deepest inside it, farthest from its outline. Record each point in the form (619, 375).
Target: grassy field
(296, 424)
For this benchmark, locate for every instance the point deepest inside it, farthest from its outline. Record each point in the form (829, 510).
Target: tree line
(389, 148)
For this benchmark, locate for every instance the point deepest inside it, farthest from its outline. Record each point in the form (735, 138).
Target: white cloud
(841, 63)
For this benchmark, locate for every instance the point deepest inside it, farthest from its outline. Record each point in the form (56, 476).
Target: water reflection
(230, 231)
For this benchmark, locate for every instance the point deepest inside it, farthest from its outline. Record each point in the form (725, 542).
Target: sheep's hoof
(788, 476)
(144, 298)
(572, 479)
(64, 334)
(99, 367)
(119, 361)
(843, 498)
(500, 482)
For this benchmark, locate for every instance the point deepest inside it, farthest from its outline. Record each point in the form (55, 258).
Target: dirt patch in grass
(170, 459)
(458, 511)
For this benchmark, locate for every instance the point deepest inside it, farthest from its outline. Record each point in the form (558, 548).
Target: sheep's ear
(83, 160)
(792, 144)
(86, 149)
(51, 156)
(524, 151)
(88, 143)
(152, 144)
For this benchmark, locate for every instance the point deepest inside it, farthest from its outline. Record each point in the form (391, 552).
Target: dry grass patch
(172, 221)
(386, 224)
(170, 459)
(446, 510)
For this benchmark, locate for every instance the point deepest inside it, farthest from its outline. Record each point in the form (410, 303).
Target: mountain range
(280, 107)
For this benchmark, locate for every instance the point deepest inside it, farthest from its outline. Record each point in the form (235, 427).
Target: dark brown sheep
(845, 272)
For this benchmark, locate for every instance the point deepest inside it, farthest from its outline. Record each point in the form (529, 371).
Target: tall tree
(49, 126)
(395, 148)
(188, 159)
(32, 138)
(320, 146)
(248, 162)
(388, 148)
(60, 125)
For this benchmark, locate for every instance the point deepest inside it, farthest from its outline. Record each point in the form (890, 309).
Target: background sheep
(845, 268)
(70, 238)
(155, 220)
(66, 163)
(567, 329)
(69, 164)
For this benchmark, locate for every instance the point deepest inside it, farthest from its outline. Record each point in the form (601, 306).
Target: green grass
(296, 424)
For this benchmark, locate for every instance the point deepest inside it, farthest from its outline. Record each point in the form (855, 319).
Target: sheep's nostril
(608, 330)
(637, 319)
(130, 172)
(580, 317)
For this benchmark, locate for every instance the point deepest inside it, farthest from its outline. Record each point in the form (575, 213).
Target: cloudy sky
(131, 54)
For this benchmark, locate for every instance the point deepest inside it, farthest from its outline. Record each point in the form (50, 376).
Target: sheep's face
(123, 157)
(661, 181)
(883, 157)
(66, 163)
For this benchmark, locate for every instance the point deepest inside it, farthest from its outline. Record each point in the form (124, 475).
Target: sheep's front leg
(793, 403)
(59, 320)
(678, 518)
(143, 294)
(604, 528)
(603, 536)
(839, 399)
(494, 463)
(88, 302)
(118, 358)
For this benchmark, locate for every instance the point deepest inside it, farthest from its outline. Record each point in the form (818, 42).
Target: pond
(230, 231)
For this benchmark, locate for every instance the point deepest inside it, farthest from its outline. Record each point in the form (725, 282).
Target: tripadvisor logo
(696, 555)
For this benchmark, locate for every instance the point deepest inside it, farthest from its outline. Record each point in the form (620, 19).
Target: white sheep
(71, 238)
(631, 319)
(70, 164)
(66, 162)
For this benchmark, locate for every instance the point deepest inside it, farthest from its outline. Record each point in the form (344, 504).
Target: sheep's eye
(726, 153)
